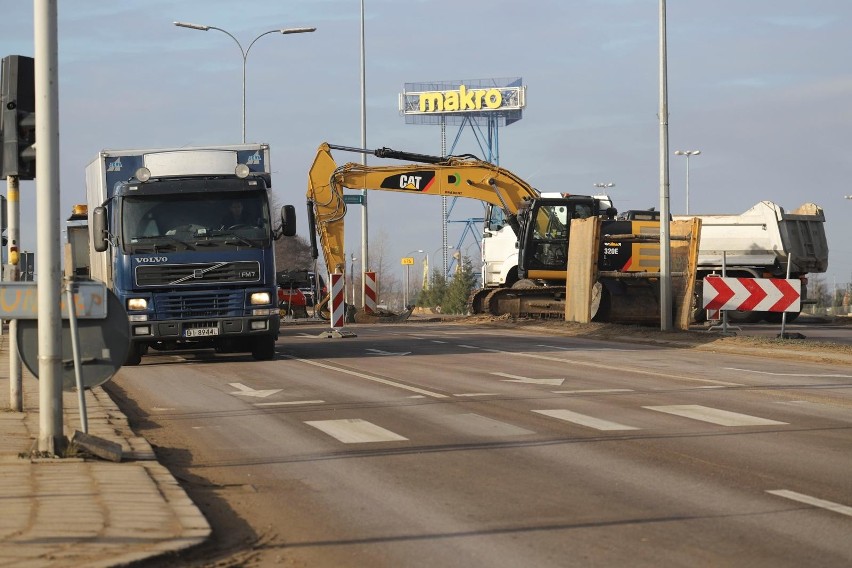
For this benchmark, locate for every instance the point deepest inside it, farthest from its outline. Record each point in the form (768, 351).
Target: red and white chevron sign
(752, 294)
(336, 300)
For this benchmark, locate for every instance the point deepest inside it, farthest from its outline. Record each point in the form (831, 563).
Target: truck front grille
(194, 274)
(194, 305)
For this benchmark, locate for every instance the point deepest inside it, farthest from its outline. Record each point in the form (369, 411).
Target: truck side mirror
(99, 229)
(288, 220)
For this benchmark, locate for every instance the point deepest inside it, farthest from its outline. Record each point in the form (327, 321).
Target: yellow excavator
(541, 224)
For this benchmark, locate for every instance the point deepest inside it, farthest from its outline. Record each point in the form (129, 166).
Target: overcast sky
(762, 87)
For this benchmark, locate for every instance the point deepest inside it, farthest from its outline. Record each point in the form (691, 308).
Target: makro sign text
(461, 100)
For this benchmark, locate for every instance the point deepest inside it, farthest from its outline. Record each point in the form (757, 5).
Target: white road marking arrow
(386, 353)
(528, 380)
(248, 391)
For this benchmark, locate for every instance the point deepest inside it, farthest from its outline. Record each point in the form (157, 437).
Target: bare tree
(291, 253)
(818, 291)
(388, 285)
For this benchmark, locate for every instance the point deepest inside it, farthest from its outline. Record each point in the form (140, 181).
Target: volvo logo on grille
(198, 273)
(152, 259)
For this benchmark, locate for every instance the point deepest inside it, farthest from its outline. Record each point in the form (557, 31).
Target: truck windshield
(194, 221)
(495, 218)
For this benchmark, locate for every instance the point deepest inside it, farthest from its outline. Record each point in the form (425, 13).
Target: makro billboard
(505, 96)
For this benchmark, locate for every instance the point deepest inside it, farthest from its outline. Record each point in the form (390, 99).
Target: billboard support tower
(483, 105)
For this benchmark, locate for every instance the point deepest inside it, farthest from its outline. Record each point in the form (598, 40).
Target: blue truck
(184, 237)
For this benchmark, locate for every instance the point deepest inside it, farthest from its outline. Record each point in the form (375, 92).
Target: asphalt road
(812, 328)
(444, 445)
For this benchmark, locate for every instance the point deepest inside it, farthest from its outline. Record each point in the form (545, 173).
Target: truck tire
(134, 354)
(697, 313)
(263, 348)
(735, 316)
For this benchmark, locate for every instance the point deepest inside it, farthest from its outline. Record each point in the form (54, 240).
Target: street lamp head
(687, 153)
(297, 30)
(610, 184)
(191, 26)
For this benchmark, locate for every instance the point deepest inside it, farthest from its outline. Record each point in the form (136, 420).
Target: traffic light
(17, 117)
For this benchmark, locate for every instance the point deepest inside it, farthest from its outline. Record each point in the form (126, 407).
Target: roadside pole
(16, 392)
(51, 438)
(784, 314)
(665, 224)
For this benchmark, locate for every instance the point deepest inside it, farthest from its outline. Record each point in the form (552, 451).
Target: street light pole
(365, 249)
(665, 228)
(352, 260)
(687, 153)
(443, 250)
(243, 52)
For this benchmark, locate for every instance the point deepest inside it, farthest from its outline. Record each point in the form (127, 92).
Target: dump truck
(763, 242)
(184, 238)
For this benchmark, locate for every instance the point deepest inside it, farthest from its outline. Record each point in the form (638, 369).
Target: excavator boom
(454, 176)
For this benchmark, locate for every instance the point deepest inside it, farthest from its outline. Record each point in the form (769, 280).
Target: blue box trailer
(184, 237)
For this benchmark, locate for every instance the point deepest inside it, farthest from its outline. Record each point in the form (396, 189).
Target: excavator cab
(545, 226)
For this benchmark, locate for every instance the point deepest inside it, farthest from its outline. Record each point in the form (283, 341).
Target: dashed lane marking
(482, 426)
(584, 348)
(289, 403)
(714, 415)
(592, 391)
(355, 431)
(814, 375)
(529, 380)
(369, 377)
(808, 500)
(477, 394)
(584, 420)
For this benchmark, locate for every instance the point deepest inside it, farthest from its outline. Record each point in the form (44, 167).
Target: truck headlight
(258, 298)
(136, 304)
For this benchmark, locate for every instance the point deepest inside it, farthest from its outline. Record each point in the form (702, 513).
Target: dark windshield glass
(194, 221)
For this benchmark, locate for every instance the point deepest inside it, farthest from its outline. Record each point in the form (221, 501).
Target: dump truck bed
(766, 235)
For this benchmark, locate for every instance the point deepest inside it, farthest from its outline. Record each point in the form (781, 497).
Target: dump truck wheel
(735, 316)
(775, 317)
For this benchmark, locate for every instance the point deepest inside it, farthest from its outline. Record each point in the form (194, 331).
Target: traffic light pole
(51, 438)
(16, 393)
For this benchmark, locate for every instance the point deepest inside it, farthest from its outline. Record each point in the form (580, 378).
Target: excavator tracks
(613, 301)
(537, 302)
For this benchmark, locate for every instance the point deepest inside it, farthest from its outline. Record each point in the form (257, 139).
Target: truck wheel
(735, 316)
(263, 348)
(697, 313)
(134, 354)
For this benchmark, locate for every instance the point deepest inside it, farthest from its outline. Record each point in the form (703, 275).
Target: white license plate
(202, 332)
